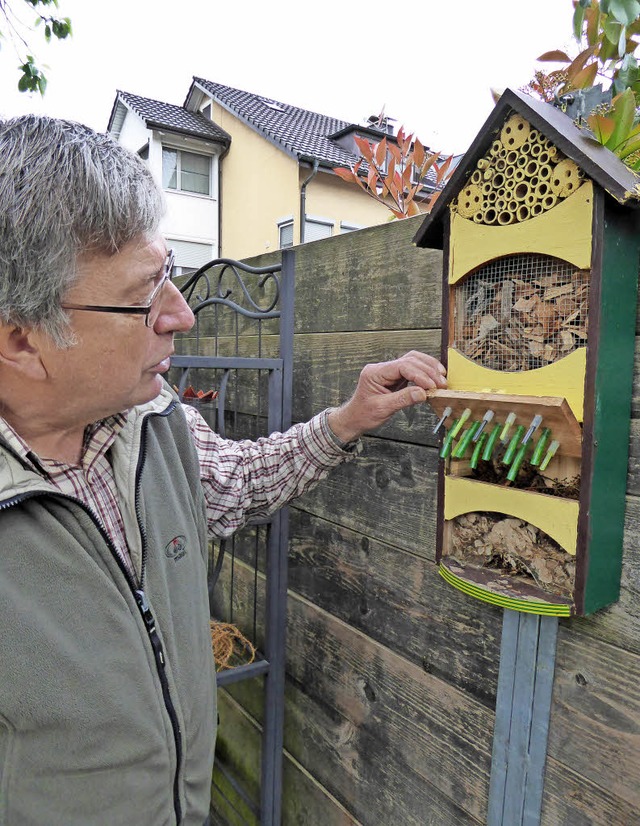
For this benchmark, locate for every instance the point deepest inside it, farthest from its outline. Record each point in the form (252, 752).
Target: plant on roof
(608, 32)
(394, 173)
(15, 28)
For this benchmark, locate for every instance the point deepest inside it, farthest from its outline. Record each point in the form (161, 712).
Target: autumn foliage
(393, 172)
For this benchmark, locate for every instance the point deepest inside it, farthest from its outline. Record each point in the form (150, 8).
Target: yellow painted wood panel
(555, 516)
(563, 232)
(564, 378)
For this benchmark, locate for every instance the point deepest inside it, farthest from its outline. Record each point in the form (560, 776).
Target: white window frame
(345, 227)
(180, 151)
(285, 223)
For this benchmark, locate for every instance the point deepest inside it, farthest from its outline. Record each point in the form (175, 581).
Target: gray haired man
(107, 690)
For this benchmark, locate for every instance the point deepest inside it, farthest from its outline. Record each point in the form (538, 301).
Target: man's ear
(20, 351)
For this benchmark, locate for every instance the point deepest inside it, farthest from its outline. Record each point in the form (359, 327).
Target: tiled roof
(301, 132)
(159, 115)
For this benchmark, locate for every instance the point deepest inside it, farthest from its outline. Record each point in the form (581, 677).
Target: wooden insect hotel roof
(575, 144)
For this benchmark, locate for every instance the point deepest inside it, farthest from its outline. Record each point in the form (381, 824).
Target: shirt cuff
(322, 444)
(350, 448)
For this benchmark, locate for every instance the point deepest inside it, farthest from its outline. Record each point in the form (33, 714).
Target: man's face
(118, 361)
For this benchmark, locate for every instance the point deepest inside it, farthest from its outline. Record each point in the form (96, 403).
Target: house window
(186, 171)
(285, 234)
(314, 230)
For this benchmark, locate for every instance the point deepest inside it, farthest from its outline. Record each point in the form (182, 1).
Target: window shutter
(190, 253)
(314, 230)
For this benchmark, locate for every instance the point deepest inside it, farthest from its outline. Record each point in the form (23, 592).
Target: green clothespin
(461, 422)
(515, 465)
(507, 427)
(491, 442)
(461, 448)
(538, 451)
(445, 450)
(477, 450)
(513, 445)
(553, 449)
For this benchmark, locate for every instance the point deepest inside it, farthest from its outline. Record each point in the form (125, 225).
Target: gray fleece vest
(107, 696)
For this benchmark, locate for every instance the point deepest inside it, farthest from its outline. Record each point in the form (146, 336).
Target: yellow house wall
(260, 186)
(331, 198)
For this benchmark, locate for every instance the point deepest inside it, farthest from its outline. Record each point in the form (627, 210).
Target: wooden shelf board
(555, 411)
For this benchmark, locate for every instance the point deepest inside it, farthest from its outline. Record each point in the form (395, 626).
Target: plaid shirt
(240, 479)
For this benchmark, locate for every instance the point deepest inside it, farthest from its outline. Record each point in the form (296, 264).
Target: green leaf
(623, 114)
(611, 29)
(625, 11)
(629, 148)
(578, 21)
(602, 127)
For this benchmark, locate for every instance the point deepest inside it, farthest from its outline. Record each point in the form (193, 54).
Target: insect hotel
(539, 229)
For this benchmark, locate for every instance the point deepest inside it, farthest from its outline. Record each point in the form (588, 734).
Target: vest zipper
(150, 623)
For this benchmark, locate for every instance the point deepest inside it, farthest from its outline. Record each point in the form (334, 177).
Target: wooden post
(523, 707)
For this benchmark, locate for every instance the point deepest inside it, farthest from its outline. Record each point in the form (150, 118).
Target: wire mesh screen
(521, 312)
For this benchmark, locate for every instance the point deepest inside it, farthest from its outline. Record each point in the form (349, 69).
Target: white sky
(429, 64)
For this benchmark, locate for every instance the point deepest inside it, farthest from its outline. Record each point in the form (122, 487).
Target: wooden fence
(392, 674)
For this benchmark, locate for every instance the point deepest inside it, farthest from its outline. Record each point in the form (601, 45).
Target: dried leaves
(519, 323)
(517, 548)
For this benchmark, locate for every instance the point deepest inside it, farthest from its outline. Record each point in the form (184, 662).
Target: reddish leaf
(366, 149)
(381, 152)
(391, 168)
(585, 78)
(372, 178)
(346, 174)
(412, 209)
(419, 154)
(555, 56)
(395, 152)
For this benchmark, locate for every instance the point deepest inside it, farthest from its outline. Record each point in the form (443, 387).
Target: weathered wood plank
(373, 279)
(399, 600)
(394, 597)
(351, 723)
(388, 494)
(327, 366)
(304, 800)
(572, 800)
(595, 720)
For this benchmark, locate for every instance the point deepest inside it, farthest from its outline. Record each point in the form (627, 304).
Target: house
(244, 174)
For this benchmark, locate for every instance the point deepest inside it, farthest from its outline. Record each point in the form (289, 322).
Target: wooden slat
(527, 655)
(388, 494)
(305, 800)
(595, 721)
(369, 718)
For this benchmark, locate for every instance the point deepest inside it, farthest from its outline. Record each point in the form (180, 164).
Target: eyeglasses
(150, 310)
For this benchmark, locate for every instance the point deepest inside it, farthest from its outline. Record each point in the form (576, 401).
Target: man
(107, 691)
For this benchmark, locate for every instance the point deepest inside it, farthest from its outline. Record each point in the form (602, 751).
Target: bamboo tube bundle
(522, 175)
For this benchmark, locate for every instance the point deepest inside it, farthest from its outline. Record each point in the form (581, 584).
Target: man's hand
(385, 388)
